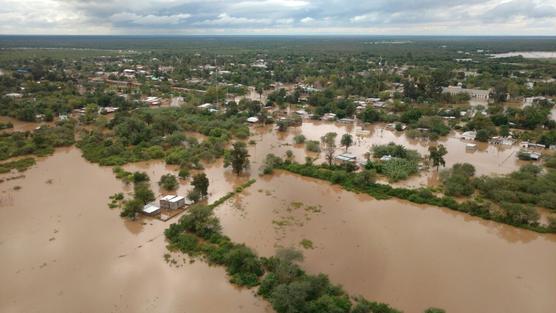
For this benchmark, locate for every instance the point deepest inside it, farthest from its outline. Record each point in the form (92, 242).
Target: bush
(168, 182)
(143, 193)
(183, 173)
(299, 139)
(396, 151)
(398, 169)
(312, 146)
(457, 181)
(271, 161)
(194, 195)
(131, 208)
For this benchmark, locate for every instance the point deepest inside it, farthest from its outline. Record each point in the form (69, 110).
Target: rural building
(173, 202)
(14, 95)
(478, 94)
(385, 158)
(469, 135)
(153, 101)
(253, 119)
(346, 158)
(205, 106)
(470, 147)
(151, 209)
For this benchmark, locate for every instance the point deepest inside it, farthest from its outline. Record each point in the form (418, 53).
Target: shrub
(168, 182)
(312, 146)
(183, 173)
(299, 139)
(398, 169)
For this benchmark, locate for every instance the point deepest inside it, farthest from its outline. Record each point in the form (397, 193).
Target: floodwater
(409, 256)
(487, 159)
(63, 250)
(21, 126)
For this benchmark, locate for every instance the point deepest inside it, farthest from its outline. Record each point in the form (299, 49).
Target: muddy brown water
(21, 126)
(63, 250)
(487, 159)
(409, 256)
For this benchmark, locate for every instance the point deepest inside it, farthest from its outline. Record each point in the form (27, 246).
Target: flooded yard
(487, 159)
(63, 250)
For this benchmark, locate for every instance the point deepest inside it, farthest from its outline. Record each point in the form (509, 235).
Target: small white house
(346, 157)
(173, 202)
(469, 135)
(205, 106)
(386, 158)
(151, 209)
(470, 147)
(253, 119)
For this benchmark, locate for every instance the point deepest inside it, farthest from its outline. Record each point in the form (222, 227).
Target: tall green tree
(200, 184)
(347, 141)
(329, 142)
(238, 158)
(436, 155)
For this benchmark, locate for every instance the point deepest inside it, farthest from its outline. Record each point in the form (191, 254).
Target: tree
(238, 158)
(91, 113)
(329, 142)
(131, 208)
(260, 89)
(482, 135)
(289, 155)
(347, 141)
(200, 184)
(194, 196)
(184, 173)
(370, 115)
(168, 182)
(437, 154)
(143, 192)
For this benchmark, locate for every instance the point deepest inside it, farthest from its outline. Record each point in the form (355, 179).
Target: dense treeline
(39, 142)
(154, 134)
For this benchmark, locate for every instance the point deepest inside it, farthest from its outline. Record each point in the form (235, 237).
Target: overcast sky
(186, 17)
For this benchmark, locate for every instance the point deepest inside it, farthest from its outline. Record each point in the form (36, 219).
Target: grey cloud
(175, 16)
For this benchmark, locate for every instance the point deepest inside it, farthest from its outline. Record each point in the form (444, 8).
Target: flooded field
(63, 250)
(20, 125)
(409, 256)
(487, 159)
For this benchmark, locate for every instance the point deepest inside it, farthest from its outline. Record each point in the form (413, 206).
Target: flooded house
(469, 135)
(173, 202)
(345, 158)
(471, 147)
(151, 209)
(166, 203)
